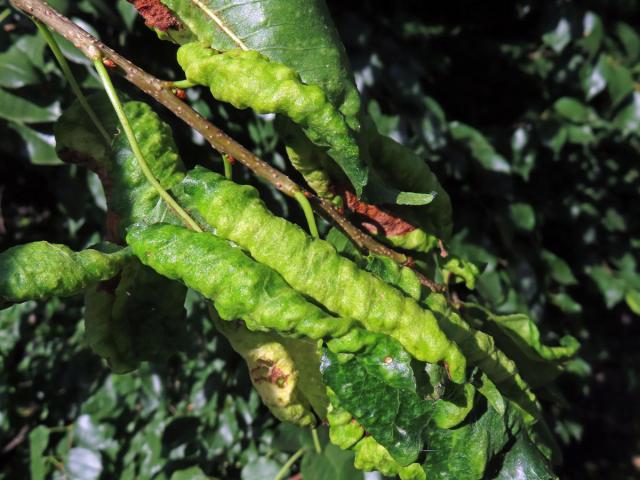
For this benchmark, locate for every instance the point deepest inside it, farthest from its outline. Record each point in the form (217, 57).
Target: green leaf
(632, 297)
(139, 319)
(40, 146)
(16, 70)
(463, 453)
(397, 167)
(565, 303)
(592, 33)
(127, 13)
(378, 388)
(559, 37)
(573, 110)
(480, 147)
(191, 473)
(611, 287)
(38, 441)
(76, 135)
(39, 270)
(628, 118)
(523, 216)
(332, 464)
(630, 40)
(524, 461)
(608, 74)
(518, 336)
(260, 469)
(524, 331)
(20, 110)
(559, 269)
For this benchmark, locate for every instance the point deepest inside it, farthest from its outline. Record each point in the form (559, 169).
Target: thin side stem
(316, 441)
(135, 148)
(183, 84)
(68, 74)
(228, 167)
(287, 466)
(5, 13)
(308, 213)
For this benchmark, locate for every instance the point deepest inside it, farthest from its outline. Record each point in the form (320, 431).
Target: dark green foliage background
(545, 194)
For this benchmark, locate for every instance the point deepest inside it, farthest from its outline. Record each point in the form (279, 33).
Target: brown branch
(92, 48)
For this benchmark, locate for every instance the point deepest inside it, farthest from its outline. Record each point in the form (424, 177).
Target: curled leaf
(314, 268)
(39, 270)
(276, 88)
(284, 371)
(240, 287)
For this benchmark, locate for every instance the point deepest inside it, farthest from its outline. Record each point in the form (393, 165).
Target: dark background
(545, 196)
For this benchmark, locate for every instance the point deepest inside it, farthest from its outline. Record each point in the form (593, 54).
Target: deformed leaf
(39, 270)
(276, 88)
(129, 195)
(519, 337)
(282, 370)
(314, 268)
(308, 43)
(240, 287)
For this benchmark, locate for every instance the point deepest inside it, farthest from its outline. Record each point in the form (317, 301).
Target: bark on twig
(92, 48)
